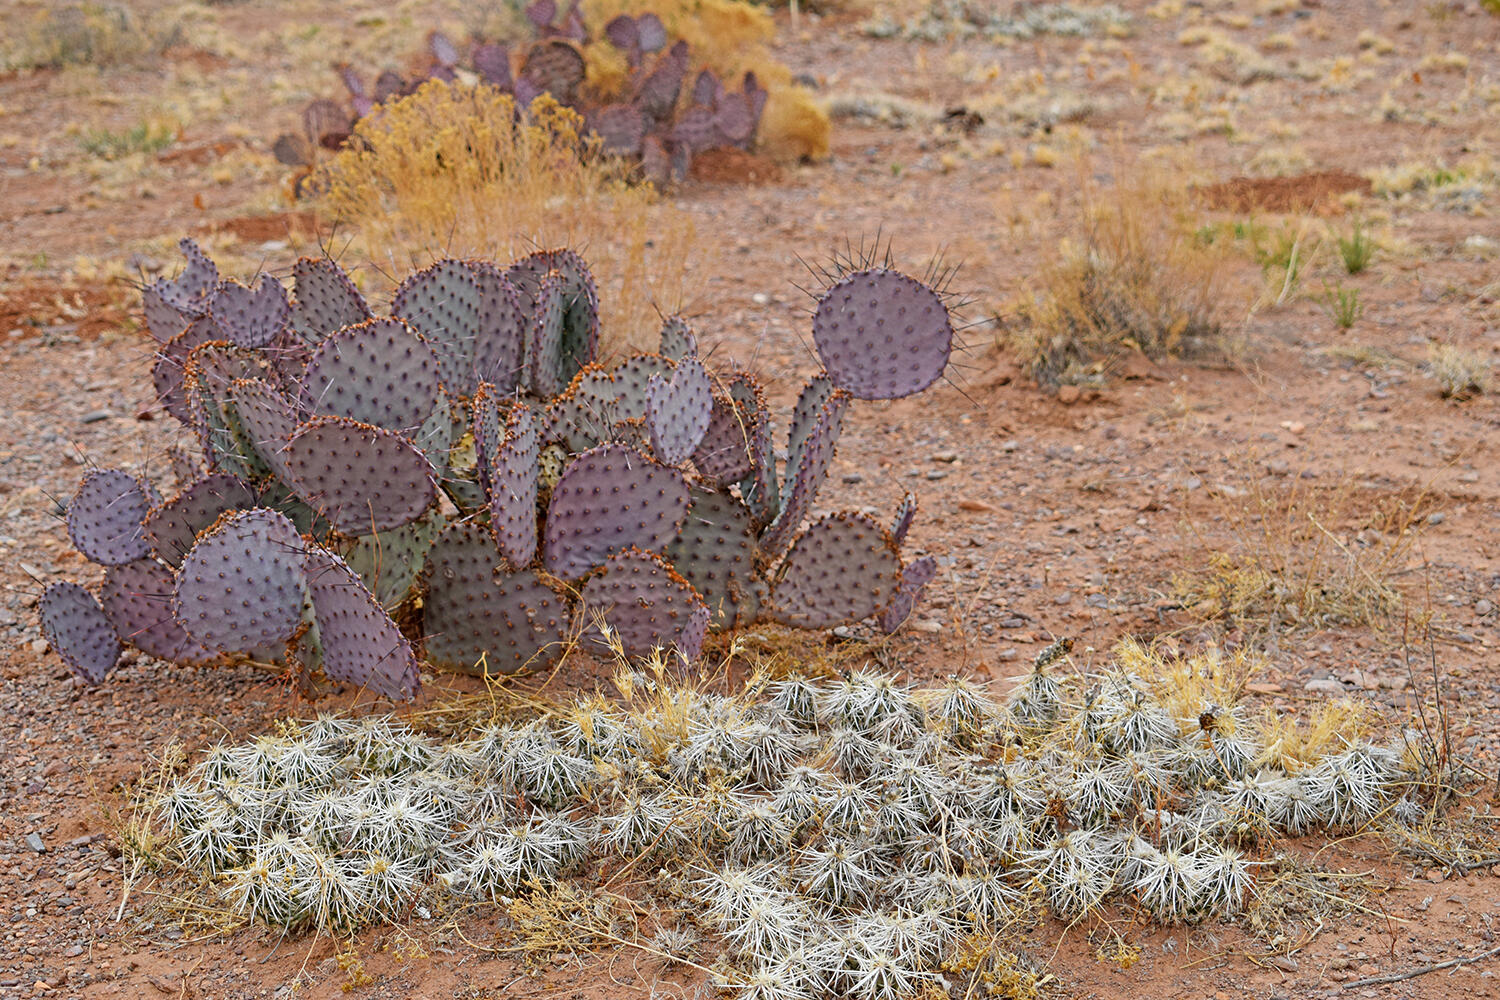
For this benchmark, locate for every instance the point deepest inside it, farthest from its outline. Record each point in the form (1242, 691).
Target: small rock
(945, 456)
(853, 477)
(935, 474)
(1009, 653)
(930, 627)
(1323, 685)
(1066, 597)
(1483, 606)
(38, 645)
(95, 416)
(761, 299)
(1010, 445)
(1013, 623)
(74, 951)
(1096, 601)
(1437, 517)
(1068, 394)
(34, 842)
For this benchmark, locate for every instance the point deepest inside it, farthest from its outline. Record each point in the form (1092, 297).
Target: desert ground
(1331, 438)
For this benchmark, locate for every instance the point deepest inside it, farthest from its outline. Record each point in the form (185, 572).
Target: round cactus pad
(79, 630)
(377, 372)
(172, 527)
(882, 335)
(842, 569)
(715, 552)
(242, 587)
(647, 604)
(608, 499)
(360, 477)
(324, 300)
(138, 599)
(360, 643)
(105, 515)
(677, 410)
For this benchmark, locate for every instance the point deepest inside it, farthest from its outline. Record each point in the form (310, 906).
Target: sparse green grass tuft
(1357, 249)
(145, 137)
(1343, 305)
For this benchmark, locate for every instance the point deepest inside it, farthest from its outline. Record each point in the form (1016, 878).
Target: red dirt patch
(261, 228)
(38, 307)
(734, 166)
(1314, 192)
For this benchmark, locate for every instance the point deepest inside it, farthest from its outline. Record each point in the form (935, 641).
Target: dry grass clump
(729, 37)
(454, 170)
(1310, 555)
(1460, 374)
(86, 34)
(1135, 276)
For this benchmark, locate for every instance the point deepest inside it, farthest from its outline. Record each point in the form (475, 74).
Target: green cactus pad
(715, 552)
(137, 597)
(360, 644)
(647, 604)
(882, 335)
(677, 410)
(473, 616)
(324, 299)
(360, 477)
(378, 372)
(105, 515)
(842, 569)
(608, 499)
(172, 527)
(79, 631)
(241, 588)
(389, 562)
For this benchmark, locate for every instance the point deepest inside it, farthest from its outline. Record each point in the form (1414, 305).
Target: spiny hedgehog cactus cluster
(831, 837)
(466, 465)
(647, 120)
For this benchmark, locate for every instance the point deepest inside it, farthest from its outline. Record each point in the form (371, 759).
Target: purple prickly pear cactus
(677, 339)
(251, 315)
(378, 372)
(137, 597)
(360, 644)
(882, 335)
(79, 631)
(360, 477)
(105, 515)
(324, 299)
(608, 499)
(508, 453)
(715, 552)
(905, 514)
(647, 604)
(677, 411)
(241, 588)
(478, 621)
(914, 578)
(172, 527)
(813, 442)
(842, 569)
(191, 292)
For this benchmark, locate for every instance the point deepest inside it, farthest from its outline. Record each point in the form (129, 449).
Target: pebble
(34, 842)
(853, 477)
(945, 456)
(1437, 518)
(937, 474)
(1068, 394)
(1066, 597)
(1323, 685)
(761, 299)
(1096, 601)
(95, 416)
(1483, 606)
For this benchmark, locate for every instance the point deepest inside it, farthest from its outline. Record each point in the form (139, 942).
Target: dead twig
(1422, 970)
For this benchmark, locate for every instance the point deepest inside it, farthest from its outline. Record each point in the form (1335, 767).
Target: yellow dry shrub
(729, 37)
(1134, 275)
(1331, 728)
(1187, 685)
(453, 170)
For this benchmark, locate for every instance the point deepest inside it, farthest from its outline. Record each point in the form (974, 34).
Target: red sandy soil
(1052, 513)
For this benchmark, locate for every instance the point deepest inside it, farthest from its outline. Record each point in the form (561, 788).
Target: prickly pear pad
(882, 335)
(79, 630)
(242, 587)
(105, 515)
(608, 499)
(842, 569)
